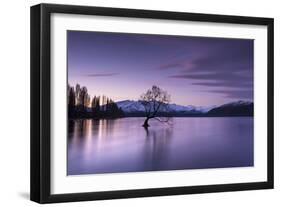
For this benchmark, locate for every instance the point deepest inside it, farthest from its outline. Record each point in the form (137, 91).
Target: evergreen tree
(71, 98)
(77, 93)
(71, 102)
(83, 96)
(98, 105)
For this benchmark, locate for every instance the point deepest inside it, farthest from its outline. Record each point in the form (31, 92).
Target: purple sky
(194, 70)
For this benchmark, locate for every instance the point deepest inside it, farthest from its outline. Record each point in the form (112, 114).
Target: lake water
(123, 145)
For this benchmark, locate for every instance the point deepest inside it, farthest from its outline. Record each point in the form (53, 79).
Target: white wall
(14, 90)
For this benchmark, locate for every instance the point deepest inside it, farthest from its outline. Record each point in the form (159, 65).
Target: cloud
(214, 76)
(231, 84)
(171, 65)
(225, 67)
(235, 94)
(102, 74)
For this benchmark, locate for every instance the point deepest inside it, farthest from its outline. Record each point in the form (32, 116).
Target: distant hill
(239, 108)
(136, 108)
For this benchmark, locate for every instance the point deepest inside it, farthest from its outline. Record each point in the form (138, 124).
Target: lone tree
(155, 100)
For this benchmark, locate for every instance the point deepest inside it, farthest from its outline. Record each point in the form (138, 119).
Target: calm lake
(123, 145)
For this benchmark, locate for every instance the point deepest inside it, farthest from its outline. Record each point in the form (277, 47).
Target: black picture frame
(41, 95)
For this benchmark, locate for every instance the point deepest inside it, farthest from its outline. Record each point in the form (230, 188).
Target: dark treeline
(81, 105)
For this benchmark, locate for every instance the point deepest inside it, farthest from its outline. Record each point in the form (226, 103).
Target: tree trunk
(145, 124)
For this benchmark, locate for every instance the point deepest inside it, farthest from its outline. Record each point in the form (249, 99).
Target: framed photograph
(133, 103)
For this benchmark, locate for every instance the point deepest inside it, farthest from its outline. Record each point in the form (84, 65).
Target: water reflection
(156, 147)
(122, 145)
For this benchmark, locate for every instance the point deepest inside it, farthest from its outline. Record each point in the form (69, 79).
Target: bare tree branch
(155, 100)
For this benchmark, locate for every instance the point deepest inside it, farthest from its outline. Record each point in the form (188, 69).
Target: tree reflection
(157, 146)
(95, 128)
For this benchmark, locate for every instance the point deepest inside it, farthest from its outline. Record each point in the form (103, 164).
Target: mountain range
(238, 108)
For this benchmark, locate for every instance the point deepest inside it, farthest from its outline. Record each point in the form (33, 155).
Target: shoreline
(107, 118)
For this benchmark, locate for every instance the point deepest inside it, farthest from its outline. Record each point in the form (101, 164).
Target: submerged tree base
(145, 124)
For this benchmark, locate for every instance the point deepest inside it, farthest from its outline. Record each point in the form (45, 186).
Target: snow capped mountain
(237, 108)
(178, 108)
(205, 109)
(129, 106)
(189, 108)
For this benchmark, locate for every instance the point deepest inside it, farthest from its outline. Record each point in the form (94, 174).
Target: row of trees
(80, 104)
